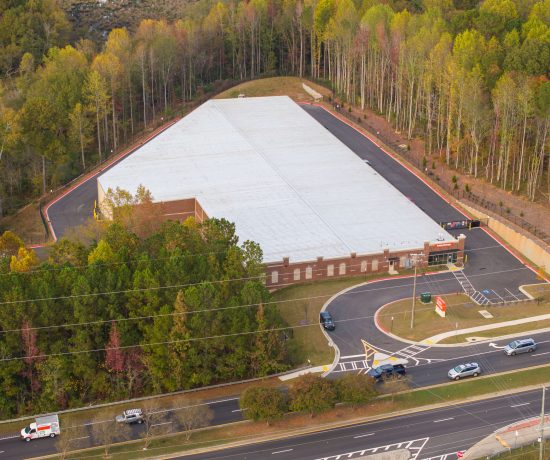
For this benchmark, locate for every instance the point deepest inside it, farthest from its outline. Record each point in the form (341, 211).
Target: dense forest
(469, 76)
(183, 306)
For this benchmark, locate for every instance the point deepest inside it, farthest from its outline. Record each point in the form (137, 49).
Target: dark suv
(326, 320)
(386, 371)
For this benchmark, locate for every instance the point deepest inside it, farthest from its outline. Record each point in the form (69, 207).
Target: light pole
(541, 448)
(414, 256)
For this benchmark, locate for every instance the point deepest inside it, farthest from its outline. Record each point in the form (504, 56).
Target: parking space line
(513, 295)
(519, 405)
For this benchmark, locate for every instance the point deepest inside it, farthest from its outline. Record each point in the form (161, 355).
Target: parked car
(464, 370)
(47, 426)
(387, 371)
(326, 320)
(520, 346)
(130, 416)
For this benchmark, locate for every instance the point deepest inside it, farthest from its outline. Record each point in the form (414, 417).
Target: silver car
(130, 416)
(464, 370)
(520, 346)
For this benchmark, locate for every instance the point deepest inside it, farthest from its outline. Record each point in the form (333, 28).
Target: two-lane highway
(224, 411)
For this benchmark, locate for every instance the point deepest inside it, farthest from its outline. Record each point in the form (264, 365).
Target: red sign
(444, 245)
(440, 306)
(460, 454)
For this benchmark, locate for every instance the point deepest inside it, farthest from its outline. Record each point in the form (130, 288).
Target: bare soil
(27, 224)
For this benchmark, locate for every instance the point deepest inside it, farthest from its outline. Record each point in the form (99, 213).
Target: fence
(482, 202)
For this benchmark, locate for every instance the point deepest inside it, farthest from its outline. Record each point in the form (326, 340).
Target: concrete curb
(526, 432)
(338, 424)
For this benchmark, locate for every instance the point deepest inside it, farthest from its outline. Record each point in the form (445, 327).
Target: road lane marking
(522, 404)
(443, 419)
(363, 435)
(9, 437)
(281, 451)
(540, 354)
(159, 424)
(237, 410)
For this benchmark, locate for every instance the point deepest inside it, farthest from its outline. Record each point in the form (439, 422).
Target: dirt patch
(27, 224)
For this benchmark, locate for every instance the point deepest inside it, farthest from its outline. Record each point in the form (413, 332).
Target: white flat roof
(284, 180)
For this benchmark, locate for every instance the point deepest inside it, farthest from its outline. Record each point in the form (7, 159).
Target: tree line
(183, 307)
(470, 77)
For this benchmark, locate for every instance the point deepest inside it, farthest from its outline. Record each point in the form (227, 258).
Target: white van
(47, 426)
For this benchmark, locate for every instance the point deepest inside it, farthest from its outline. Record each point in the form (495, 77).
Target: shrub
(312, 394)
(356, 389)
(433, 164)
(262, 403)
(454, 179)
(467, 188)
(349, 109)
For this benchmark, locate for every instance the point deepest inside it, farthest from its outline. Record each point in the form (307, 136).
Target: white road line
(363, 435)
(444, 419)
(540, 354)
(159, 424)
(237, 410)
(9, 437)
(519, 405)
(514, 296)
(352, 356)
(281, 451)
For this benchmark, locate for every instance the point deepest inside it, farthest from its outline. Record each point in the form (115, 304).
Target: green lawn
(300, 306)
(462, 313)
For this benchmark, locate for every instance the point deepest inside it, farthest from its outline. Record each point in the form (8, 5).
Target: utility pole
(541, 447)
(414, 256)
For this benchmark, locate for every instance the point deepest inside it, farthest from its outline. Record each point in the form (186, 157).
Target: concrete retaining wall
(528, 247)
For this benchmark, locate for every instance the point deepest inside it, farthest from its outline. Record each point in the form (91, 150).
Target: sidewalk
(509, 437)
(437, 338)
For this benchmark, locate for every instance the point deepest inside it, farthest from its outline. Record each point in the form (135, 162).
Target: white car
(464, 370)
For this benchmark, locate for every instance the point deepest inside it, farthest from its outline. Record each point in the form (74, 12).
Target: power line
(262, 276)
(427, 279)
(194, 339)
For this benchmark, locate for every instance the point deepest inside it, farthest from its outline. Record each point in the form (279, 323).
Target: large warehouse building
(287, 183)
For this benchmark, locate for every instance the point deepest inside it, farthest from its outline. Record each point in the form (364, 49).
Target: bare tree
(155, 421)
(106, 431)
(192, 414)
(73, 437)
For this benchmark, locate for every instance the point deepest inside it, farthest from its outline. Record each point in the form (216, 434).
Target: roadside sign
(440, 306)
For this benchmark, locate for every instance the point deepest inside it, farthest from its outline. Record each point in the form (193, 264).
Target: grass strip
(296, 424)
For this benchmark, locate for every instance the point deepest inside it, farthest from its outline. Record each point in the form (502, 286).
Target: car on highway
(387, 371)
(464, 370)
(326, 320)
(130, 416)
(520, 346)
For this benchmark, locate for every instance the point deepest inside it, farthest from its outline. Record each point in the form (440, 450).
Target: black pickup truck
(386, 371)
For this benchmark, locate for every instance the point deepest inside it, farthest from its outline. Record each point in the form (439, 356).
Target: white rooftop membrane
(281, 177)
